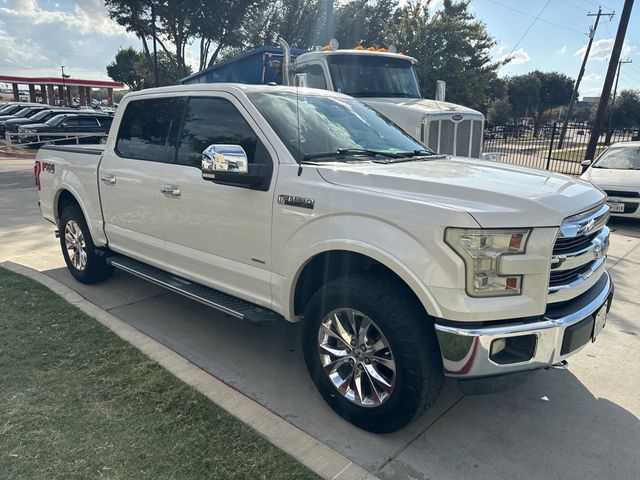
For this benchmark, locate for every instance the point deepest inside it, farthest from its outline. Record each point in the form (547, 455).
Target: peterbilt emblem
(457, 117)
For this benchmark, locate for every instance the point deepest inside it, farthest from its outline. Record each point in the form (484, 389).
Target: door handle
(171, 190)
(108, 179)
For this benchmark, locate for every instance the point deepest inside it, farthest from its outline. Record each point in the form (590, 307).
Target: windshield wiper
(343, 152)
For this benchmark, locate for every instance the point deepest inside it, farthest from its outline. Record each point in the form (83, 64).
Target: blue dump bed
(259, 66)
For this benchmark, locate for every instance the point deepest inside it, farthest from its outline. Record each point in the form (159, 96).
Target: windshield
(621, 158)
(43, 115)
(361, 75)
(329, 124)
(55, 120)
(8, 110)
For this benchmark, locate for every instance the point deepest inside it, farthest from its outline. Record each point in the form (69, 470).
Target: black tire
(410, 335)
(95, 269)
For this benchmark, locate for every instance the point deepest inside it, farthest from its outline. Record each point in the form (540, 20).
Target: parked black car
(67, 123)
(42, 116)
(13, 108)
(26, 112)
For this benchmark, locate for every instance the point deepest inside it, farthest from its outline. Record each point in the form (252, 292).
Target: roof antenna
(298, 120)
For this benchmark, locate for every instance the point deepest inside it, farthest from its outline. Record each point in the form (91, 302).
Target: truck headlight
(481, 251)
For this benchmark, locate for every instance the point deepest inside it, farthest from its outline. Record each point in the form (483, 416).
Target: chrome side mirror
(223, 158)
(586, 163)
(300, 80)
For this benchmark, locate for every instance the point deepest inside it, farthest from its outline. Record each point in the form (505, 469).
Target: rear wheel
(78, 248)
(371, 350)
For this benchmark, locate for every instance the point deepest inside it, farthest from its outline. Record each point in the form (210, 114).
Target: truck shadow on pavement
(549, 427)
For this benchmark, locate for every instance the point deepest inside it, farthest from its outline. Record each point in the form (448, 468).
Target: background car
(25, 113)
(68, 123)
(42, 116)
(617, 172)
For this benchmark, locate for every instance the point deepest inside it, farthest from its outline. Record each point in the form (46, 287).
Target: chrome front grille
(579, 254)
(462, 138)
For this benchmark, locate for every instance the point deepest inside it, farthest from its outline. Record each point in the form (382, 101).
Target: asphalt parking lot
(580, 423)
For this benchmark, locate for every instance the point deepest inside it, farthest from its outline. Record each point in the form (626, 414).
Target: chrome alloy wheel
(356, 357)
(75, 245)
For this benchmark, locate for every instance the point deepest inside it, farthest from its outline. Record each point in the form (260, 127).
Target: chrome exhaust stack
(286, 61)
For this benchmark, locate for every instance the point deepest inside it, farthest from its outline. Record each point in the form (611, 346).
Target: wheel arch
(330, 263)
(67, 196)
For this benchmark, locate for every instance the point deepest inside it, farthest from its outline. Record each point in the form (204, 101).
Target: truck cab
(384, 80)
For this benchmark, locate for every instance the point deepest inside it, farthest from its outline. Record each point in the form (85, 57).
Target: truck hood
(419, 105)
(496, 195)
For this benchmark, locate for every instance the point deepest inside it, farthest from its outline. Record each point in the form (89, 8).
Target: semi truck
(384, 80)
(403, 266)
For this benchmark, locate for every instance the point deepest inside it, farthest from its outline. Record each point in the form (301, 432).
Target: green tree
(125, 69)
(299, 22)
(535, 93)
(452, 45)
(135, 69)
(499, 112)
(524, 93)
(363, 22)
(626, 111)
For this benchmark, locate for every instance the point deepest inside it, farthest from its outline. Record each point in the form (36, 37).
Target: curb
(312, 453)
(25, 155)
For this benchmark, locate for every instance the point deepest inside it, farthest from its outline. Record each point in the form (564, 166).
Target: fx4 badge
(294, 201)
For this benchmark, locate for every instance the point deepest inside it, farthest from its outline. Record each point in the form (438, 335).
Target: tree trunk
(215, 53)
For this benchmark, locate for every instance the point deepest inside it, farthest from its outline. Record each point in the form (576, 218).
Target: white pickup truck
(404, 266)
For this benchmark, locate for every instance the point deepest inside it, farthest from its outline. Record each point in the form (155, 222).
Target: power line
(534, 17)
(529, 28)
(598, 4)
(575, 6)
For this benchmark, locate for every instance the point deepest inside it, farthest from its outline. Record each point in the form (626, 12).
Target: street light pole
(64, 88)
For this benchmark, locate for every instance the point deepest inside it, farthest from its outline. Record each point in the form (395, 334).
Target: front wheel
(371, 350)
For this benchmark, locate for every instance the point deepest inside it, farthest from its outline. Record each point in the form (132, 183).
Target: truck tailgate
(74, 169)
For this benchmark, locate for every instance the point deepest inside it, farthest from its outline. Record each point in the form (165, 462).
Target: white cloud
(601, 49)
(88, 17)
(518, 57)
(592, 77)
(38, 36)
(562, 51)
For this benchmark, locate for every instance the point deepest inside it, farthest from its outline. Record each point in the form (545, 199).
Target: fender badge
(294, 201)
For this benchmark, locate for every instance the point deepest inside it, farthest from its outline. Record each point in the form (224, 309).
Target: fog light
(498, 345)
(509, 350)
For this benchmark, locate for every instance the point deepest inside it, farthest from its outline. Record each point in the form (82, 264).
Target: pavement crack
(402, 449)
(135, 301)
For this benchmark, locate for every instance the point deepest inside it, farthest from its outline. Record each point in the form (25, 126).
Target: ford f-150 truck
(402, 265)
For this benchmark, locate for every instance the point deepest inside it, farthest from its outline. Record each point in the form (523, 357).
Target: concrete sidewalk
(575, 424)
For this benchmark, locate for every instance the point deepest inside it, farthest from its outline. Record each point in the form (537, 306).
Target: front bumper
(563, 330)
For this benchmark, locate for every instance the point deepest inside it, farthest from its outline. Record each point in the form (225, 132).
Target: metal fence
(17, 141)
(518, 145)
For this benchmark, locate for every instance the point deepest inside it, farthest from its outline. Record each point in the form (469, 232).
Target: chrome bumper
(466, 352)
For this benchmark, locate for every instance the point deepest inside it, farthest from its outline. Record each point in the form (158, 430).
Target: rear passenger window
(144, 132)
(211, 121)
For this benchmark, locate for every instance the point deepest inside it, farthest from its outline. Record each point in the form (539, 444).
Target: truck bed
(78, 166)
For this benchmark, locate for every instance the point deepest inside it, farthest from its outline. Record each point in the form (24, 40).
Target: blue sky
(37, 36)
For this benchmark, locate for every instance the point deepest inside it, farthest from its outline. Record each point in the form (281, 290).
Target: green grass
(77, 402)
(574, 154)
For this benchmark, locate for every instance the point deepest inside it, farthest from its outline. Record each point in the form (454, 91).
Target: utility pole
(155, 49)
(574, 95)
(608, 81)
(64, 88)
(613, 99)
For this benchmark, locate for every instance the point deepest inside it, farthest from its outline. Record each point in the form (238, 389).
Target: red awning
(59, 81)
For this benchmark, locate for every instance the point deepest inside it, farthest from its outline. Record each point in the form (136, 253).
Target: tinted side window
(144, 129)
(315, 76)
(211, 121)
(105, 121)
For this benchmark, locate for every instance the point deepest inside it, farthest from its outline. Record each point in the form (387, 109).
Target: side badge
(294, 201)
